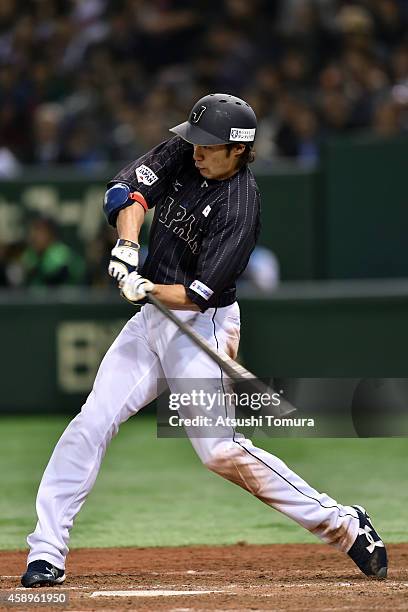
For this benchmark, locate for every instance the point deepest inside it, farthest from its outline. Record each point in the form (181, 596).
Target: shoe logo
(52, 571)
(371, 542)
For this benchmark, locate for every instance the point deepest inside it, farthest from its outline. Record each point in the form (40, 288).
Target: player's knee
(221, 459)
(213, 464)
(232, 463)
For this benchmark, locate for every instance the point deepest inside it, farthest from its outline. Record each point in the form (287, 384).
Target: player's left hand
(135, 287)
(124, 259)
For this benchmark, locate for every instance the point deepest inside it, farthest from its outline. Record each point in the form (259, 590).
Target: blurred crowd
(42, 259)
(89, 82)
(45, 260)
(85, 82)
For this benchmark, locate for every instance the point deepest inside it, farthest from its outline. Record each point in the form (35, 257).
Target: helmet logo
(196, 116)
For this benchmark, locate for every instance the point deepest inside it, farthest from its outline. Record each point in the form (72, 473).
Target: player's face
(217, 161)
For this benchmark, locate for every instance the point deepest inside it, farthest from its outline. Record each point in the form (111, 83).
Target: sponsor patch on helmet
(145, 175)
(242, 134)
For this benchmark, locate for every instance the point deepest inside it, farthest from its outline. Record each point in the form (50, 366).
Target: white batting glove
(124, 259)
(135, 287)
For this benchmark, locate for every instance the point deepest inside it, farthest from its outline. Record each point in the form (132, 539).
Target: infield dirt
(241, 577)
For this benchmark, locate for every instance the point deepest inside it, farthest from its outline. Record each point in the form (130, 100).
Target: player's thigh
(195, 375)
(127, 377)
(180, 356)
(227, 325)
(188, 369)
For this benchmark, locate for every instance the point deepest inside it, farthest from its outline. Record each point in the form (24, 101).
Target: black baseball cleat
(41, 573)
(368, 550)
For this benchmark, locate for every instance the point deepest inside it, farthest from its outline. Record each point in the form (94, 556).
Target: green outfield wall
(292, 221)
(52, 344)
(365, 202)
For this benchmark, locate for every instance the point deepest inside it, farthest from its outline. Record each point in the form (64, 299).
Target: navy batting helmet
(219, 119)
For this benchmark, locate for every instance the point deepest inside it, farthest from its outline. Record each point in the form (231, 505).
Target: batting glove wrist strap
(126, 245)
(124, 259)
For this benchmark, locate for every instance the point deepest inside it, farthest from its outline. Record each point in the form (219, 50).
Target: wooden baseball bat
(232, 369)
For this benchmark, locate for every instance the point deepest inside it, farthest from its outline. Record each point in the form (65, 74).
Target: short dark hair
(246, 157)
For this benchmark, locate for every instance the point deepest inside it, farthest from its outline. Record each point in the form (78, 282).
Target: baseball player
(206, 224)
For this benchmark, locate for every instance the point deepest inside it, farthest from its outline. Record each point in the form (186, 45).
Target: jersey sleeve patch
(145, 175)
(201, 289)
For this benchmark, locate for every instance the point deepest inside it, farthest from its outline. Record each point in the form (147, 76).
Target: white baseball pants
(149, 348)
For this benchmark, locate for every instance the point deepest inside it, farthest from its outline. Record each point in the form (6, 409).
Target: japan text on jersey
(203, 230)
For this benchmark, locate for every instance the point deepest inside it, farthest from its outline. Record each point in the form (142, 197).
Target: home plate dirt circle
(240, 577)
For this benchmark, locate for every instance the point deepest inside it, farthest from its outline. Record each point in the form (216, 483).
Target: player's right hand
(124, 259)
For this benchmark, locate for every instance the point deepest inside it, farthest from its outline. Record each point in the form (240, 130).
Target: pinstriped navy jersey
(203, 231)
